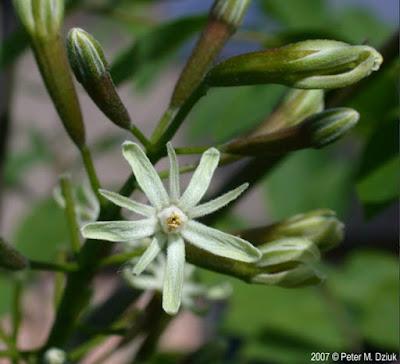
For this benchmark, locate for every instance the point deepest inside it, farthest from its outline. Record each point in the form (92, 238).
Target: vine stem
(91, 172)
(70, 213)
(137, 133)
(53, 267)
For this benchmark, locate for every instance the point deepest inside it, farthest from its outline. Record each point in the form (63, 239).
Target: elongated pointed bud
(288, 262)
(322, 227)
(328, 126)
(287, 253)
(91, 69)
(312, 64)
(10, 258)
(301, 276)
(42, 20)
(316, 131)
(225, 17)
(296, 106)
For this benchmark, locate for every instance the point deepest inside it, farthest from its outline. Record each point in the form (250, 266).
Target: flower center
(172, 219)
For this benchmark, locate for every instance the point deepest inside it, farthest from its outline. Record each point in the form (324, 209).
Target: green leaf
(42, 231)
(308, 180)
(297, 13)
(368, 283)
(378, 177)
(226, 112)
(155, 45)
(359, 25)
(382, 184)
(6, 291)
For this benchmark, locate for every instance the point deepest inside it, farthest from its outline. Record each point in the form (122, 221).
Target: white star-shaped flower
(170, 219)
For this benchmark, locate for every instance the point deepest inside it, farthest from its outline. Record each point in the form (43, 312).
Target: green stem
(53, 267)
(119, 259)
(191, 150)
(173, 119)
(70, 213)
(136, 132)
(16, 311)
(165, 120)
(91, 172)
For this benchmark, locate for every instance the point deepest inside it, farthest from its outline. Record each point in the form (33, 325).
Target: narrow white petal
(219, 202)
(174, 273)
(146, 175)
(150, 254)
(201, 179)
(120, 230)
(129, 204)
(219, 243)
(144, 282)
(174, 187)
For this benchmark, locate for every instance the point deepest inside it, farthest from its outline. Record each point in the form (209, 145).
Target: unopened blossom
(170, 219)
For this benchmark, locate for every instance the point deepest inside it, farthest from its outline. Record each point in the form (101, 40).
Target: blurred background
(358, 307)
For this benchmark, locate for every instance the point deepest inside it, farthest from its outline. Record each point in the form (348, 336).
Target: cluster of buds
(291, 248)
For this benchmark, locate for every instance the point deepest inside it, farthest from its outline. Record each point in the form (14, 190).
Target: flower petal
(129, 204)
(201, 179)
(219, 202)
(119, 230)
(145, 174)
(174, 187)
(219, 243)
(149, 254)
(144, 282)
(174, 273)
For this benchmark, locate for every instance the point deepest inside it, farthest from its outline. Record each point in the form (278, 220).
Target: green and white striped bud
(10, 258)
(301, 276)
(316, 131)
(91, 69)
(322, 227)
(231, 12)
(287, 253)
(326, 127)
(311, 64)
(41, 18)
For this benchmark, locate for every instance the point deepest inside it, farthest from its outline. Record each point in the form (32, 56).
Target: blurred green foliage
(359, 303)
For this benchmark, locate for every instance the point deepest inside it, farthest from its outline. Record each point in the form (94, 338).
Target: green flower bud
(91, 69)
(297, 106)
(327, 126)
(41, 18)
(288, 253)
(322, 227)
(230, 12)
(316, 131)
(303, 275)
(312, 64)
(225, 17)
(10, 258)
